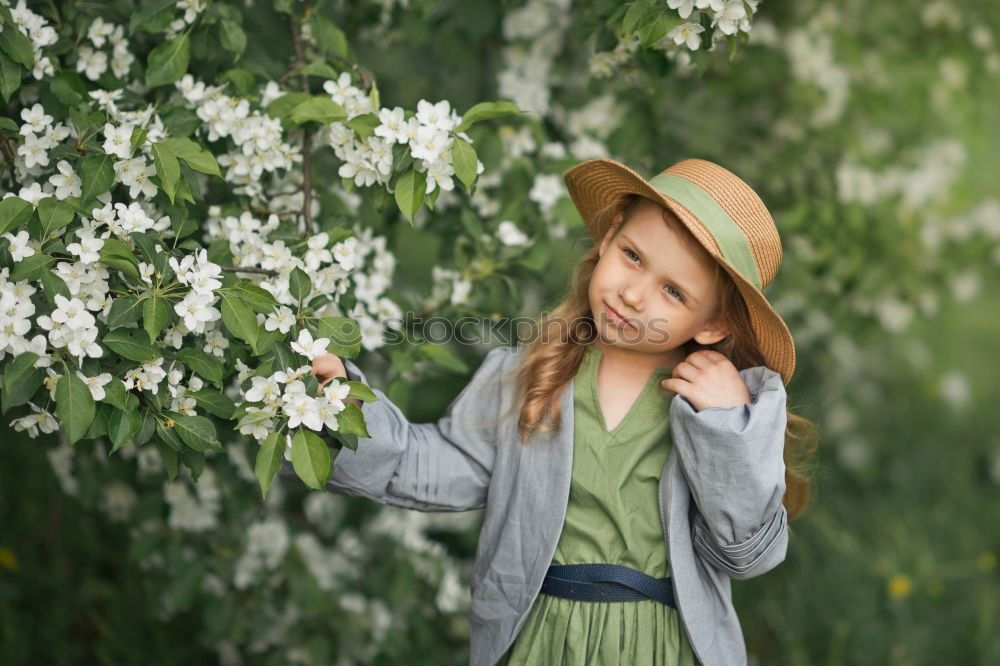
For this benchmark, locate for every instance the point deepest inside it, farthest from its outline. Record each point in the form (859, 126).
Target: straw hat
(722, 212)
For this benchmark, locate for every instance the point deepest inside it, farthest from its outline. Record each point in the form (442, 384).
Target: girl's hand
(708, 379)
(328, 366)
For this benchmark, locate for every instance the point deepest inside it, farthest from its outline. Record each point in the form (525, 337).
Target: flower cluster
(283, 395)
(259, 147)
(92, 61)
(37, 29)
(427, 135)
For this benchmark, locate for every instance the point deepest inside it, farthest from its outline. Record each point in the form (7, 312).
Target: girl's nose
(631, 296)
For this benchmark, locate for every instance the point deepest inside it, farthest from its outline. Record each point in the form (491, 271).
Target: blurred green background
(869, 129)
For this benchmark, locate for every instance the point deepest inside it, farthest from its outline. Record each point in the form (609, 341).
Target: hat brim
(593, 185)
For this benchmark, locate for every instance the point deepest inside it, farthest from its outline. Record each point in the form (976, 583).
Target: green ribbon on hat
(720, 224)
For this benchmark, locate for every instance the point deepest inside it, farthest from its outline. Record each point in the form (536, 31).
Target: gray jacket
(720, 497)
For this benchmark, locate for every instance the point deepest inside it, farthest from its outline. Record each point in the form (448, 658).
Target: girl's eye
(630, 253)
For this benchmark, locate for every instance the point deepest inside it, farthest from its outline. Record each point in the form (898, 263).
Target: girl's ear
(711, 333)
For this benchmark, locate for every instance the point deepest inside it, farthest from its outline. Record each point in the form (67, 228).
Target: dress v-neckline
(594, 354)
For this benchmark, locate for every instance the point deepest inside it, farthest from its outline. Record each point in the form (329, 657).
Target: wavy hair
(551, 361)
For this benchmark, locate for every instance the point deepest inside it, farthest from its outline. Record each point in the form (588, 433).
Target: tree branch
(306, 135)
(8, 154)
(249, 269)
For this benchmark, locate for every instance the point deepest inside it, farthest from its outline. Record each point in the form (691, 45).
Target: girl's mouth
(616, 318)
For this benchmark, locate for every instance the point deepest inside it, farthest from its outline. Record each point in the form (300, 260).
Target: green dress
(613, 516)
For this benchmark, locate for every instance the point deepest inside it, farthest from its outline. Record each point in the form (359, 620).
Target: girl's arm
(733, 460)
(442, 466)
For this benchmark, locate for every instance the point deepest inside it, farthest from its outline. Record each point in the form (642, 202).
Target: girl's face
(661, 287)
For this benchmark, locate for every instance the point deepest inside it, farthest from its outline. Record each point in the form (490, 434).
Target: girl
(632, 460)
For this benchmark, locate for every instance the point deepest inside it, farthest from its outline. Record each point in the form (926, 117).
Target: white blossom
(20, 245)
(308, 347)
(281, 319)
(95, 384)
(118, 140)
(66, 182)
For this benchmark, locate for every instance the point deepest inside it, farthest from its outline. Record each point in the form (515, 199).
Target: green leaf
(168, 62)
(21, 380)
(193, 154)
(311, 459)
(13, 213)
(206, 365)
(299, 284)
(343, 332)
(169, 457)
(193, 460)
(52, 284)
(147, 427)
(180, 121)
(131, 343)
(364, 125)
(10, 77)
(258, 298)
(138, 138)
(116, 394)
(198, 432)
(252, 418)
(31, 268)
(653, 30)
(283, 106)
(214, 402)
(234, 39)
(74, 406)
(320, 109)
(167, 168)
(99, 426)
(352, 421)
(239, 319)
(329, 38)
(242, 80)
(98, 175)
(17, 45)
(116, 254)
(122, 426)
(68, 87)
(8, 125)
(169, 436)
(283, 356)
(154, 316)
(637, 14)
(361, 392)
(124, 310)
(269, 460)
(410, 190)
(464, 160)
(486, 111)
(152, 16)
(321, 69)
(54, 215)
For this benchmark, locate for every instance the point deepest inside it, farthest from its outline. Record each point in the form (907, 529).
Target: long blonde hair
(551, 361)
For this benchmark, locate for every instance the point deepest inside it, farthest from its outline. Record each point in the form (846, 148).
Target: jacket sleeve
(442, 466)
(733, 461)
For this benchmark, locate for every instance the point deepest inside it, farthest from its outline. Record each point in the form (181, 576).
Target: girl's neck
(635, 363)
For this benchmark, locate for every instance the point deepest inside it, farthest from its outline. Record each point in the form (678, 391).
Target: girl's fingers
(685, 371)
(674, 385)
(702, 358)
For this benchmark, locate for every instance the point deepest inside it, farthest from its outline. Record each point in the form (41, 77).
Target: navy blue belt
(606, 582)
